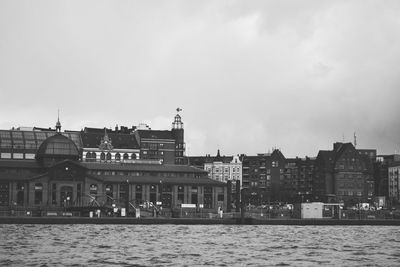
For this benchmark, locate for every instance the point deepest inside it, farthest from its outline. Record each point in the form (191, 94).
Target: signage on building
(192, 206)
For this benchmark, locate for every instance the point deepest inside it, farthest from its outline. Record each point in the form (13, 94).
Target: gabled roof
(155, 134)
(277, 153)
(119, 140)
(343, 147)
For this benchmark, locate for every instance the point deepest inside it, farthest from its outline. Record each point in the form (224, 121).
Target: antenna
(355, 139)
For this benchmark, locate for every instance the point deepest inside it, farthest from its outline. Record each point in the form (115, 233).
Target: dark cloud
(249, 76)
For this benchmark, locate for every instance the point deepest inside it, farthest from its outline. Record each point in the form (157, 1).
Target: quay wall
(190, 221)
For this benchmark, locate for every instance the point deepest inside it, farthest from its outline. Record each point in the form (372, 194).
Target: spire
(58, 123)
(218, 156)
(105, 143)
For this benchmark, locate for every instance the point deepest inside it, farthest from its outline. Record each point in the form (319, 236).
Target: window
(93, 189)
(38, 193)
(126, 156)
(20, 194)
(54, 194)
(194, 195)
(4, 194)
(102, 156)
(153, 193)
(138, 195)
(133, 156)
(108, 156)
(123, 192)
(109, 193)
(118, 157)
(181, 194)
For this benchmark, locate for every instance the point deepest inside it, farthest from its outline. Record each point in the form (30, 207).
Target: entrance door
(66, 196)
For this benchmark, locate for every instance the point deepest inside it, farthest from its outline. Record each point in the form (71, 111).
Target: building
(263, 177)
(46, 169)
(394, 183)
(226, 169)
(304, 182)
(381, 174)
(104, 145)
(343, 175)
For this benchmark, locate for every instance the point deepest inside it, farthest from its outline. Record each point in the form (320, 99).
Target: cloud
(248, 76)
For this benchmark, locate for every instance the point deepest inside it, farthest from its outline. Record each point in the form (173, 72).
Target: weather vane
(178, 109)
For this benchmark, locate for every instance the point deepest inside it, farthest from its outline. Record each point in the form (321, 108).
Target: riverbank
(189, 221)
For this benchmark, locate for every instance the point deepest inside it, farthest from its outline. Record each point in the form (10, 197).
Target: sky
(249, 76)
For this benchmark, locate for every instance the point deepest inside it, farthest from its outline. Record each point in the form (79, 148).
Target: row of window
(350, 193)
(159, 174)
(226, 169)
(110, 156)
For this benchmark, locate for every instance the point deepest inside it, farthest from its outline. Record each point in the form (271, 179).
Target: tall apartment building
(263, 177)
(344, 174)
(394, 183)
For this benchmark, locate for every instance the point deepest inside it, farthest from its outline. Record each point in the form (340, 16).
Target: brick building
(343, 175)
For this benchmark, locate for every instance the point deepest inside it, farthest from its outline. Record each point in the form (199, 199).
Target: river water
(198, 245)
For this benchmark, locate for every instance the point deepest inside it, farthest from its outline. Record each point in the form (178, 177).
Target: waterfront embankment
(190, 221)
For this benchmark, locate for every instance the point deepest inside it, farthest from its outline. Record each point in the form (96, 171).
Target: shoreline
(192, 221)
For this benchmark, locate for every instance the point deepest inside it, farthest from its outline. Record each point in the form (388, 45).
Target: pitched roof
(143, 167)
(157, 180)
(13, 163)
(119, 140)
(326, 157)
(155, 134)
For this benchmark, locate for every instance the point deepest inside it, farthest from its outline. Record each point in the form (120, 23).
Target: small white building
(224, 170)
(313, 210)
(319, 210)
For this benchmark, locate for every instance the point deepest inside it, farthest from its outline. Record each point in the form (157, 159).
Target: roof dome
(58, 147)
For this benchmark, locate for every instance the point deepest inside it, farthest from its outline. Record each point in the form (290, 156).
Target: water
(198, 245)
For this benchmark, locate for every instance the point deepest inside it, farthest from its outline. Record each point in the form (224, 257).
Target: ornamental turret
(178, 134)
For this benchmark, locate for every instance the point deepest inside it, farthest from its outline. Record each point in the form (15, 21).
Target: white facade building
(224, 171)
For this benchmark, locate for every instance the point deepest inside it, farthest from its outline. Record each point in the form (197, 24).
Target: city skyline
(249, 77)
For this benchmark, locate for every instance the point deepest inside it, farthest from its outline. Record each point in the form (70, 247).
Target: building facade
(343, 175)
(394, 183)
(53, 170)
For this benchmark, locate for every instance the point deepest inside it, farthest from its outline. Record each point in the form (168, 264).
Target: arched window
(108, 156)
(133, 156)
(38, 193)
(126, 156)
(117, 157)
(102, 156)
(94, 155)
(88, 156)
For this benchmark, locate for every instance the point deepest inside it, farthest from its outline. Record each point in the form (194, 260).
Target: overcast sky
(249, 75)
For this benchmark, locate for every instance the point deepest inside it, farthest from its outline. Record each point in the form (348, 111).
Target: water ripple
(198, 245)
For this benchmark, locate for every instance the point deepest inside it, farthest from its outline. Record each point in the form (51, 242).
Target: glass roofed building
(47, 171)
